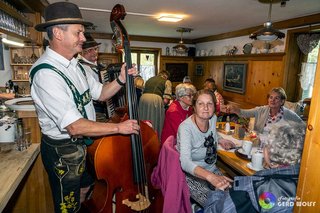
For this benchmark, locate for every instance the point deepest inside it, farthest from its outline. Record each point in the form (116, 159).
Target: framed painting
(177, 71)
(234, 77)
(199, 69)
(1, 56)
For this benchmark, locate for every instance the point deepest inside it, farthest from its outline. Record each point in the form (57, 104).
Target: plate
(20, 104)
(249, 165)
(247, 48)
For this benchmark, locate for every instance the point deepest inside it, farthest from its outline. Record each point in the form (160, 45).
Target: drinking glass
(19, 136)
(27, 137)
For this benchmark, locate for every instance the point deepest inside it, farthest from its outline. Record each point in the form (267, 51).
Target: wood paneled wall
(262, 76)
(264, 71)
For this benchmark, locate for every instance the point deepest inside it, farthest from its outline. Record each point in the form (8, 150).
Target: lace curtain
(307, 75)
(307, 42)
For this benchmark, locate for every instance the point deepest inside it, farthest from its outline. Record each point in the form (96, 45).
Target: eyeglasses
(211, 153)
(189, 95)
(90, 50)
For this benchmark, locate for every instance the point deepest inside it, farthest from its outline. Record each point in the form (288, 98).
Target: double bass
(123, 163)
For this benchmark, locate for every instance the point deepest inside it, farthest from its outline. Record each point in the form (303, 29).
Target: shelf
(20, 71)
(16, 80)
(15, 35)
(21, 64)
(175, 57)
(262, 56)
(15, 14)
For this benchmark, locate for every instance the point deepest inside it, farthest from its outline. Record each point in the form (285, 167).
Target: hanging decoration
(181, 48)
(307, 42)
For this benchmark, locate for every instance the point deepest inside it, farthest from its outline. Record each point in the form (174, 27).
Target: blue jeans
(65, 163)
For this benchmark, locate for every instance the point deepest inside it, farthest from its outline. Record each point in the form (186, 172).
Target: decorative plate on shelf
(247, 48)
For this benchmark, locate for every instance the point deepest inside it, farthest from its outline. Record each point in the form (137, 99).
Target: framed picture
(177, 71)
(1, 56)
(234, 77)
(199, 69)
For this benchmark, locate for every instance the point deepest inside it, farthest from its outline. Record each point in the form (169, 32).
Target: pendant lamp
(267, 33)
(181, 48)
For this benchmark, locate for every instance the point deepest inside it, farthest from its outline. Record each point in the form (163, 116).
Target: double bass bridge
(141, 204)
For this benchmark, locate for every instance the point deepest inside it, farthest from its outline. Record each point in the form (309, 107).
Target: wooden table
(230, 162)
(13, 166)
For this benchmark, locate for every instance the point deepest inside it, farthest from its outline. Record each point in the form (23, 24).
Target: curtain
(307, 75)
(307, 42)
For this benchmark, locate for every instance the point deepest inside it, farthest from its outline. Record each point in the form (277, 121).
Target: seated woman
(178, 111)
(269, 115)
(210, 84)
(197, 142)
(284, 145)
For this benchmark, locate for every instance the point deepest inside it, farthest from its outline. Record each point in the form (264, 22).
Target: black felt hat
(90, 42)
(61, 13)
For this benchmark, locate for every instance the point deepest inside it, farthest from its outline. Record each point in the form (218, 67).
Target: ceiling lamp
(267, 33)
(170, 18)
(181, 48)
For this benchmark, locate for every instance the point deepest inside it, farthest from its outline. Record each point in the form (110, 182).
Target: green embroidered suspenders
(80, 99)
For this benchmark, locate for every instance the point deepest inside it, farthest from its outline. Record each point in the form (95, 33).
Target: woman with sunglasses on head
(178, 111)
(197, 142)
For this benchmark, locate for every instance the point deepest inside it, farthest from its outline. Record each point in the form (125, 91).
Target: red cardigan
(174, 117)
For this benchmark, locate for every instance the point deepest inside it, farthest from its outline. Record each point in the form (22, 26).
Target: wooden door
(309, 180)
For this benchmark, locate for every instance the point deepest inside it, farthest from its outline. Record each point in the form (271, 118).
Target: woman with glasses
(269, 115)
(197, 142)
(178, 111)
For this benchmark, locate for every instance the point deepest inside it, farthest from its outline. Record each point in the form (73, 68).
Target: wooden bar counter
(24, 181)
(13, 166)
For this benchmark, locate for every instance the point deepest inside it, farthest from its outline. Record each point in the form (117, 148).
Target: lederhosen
(65, 160)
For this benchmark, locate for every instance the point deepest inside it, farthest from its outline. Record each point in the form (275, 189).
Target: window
(146, 61)
(308, 77)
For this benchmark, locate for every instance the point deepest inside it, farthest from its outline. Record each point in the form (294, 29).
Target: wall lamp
(10, 42)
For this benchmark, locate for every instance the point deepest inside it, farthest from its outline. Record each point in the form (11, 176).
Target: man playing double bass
(63, 93)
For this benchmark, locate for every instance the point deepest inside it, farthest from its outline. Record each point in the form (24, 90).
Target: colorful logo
(267, 200)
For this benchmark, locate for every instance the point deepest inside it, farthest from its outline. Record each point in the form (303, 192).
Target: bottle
(227, 126)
